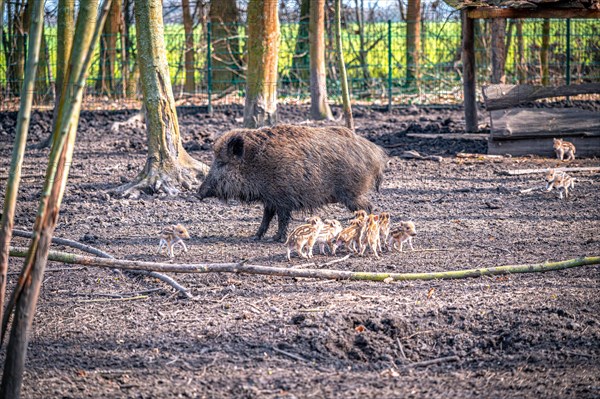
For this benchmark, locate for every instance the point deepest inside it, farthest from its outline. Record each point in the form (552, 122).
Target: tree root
(164, 179)
(102, 254)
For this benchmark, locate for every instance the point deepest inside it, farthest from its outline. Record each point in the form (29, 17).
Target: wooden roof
(528, 8)
(528, 4)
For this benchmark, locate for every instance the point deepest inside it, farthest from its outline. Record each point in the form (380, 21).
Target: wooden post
(468, 61)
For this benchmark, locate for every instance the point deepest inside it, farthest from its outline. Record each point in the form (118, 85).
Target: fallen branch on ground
(102, 254)
(517, 172)
(450, 136)
(401, 348)
(288, 354)
(241, 267)
(412, 154)
(466, 155)
(67, 243)
(528, 190)
(164, 279)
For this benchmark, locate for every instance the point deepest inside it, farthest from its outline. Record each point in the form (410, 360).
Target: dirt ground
(528, 335)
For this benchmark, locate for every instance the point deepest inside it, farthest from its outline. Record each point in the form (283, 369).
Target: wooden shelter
(520, 125)
(524, 130)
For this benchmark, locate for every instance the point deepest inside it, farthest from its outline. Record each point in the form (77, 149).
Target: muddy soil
(528, 335)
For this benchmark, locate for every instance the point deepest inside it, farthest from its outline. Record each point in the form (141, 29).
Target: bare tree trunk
(168, 165)
(124, 57)
(468, 56)
(413, 42)
(133, 75)
(42, 83)
(498, 26)
(544, 53)
(362, 41)
(319, 108)
(21, 22)
(521, 67)
(401, 8)
(482, 48)
(64, 40)
(226, 60)
(108, 50)
(134, 79)
(261, 79)
(188, 27)
(343, 78)
(300, 60)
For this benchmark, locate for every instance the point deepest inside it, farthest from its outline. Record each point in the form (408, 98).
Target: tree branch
(244, 268)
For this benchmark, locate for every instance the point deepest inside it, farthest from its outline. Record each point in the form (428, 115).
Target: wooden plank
(450, 136)
(467, 155)
(544, 123)
(468, 61)
(518, 172)
(506, 96)
(586, 147)
(495, 12)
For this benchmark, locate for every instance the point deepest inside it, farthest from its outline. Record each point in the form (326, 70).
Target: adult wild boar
(292, 168)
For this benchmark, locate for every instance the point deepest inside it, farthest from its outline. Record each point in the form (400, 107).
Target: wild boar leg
(358, 203)
(268, 214)
(283, 216)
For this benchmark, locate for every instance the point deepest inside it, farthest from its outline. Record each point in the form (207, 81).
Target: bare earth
(528, 335)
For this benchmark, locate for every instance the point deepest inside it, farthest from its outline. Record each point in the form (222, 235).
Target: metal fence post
(389, 65)
(209, 66)
(568, 66)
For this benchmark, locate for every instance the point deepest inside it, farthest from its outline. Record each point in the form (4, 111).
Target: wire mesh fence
(375, 54)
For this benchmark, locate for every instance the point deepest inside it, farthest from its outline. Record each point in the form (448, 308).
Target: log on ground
(326, 274)
(507, 96)
(544, 123)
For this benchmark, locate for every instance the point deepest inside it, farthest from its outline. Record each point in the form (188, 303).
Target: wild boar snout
(206, 189)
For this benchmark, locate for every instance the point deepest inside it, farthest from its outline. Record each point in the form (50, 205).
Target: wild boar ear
(235, 146)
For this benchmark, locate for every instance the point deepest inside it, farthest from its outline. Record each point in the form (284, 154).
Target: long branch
(241, 267)
(102, 254)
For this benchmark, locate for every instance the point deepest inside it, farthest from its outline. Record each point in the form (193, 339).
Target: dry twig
(288, 354)
(517, 172)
